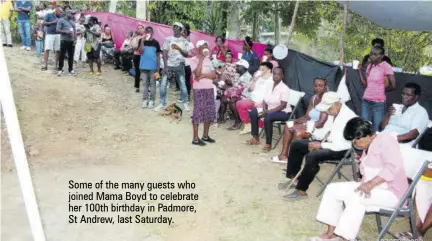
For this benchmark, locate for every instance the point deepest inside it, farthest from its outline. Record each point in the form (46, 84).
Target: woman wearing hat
(204, 104)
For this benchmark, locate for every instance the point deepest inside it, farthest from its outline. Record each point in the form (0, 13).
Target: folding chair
(294, 100)
(414, 145)
(348, 159)
(405, 208)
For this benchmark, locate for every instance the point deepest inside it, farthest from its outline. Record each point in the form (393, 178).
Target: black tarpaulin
(300, 71)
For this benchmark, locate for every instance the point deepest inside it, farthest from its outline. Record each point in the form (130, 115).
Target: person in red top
(374, 97)
(220, 50)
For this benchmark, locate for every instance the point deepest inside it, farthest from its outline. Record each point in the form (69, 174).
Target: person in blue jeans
(23, 8)
(149, 65)
(374, 97)
(175, 50)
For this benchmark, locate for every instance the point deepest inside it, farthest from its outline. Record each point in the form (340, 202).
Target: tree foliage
(407, 49)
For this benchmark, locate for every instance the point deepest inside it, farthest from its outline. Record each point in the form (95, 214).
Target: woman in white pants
(80, 42)
(383, 183)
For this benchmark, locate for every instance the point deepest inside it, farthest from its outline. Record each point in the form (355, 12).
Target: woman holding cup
(312, 122)
(374, 97)
(204, 104)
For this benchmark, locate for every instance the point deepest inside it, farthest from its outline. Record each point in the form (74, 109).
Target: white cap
(243, 63)
(179, 24)
(328, 99)
(201, 43)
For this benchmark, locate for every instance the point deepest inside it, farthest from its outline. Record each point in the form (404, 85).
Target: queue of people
(256, 95)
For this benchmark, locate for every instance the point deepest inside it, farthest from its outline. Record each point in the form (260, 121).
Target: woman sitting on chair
(276, 108)
(299, 128)
(383, 184)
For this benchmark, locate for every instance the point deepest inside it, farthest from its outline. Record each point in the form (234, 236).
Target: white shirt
(259, 91)
(191, 46)
(336, 140)
(414, 117)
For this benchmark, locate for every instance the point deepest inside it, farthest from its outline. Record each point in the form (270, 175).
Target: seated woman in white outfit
(383, 183)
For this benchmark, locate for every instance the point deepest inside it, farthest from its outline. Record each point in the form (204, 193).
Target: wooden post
(293, 20)
(255, 27)
(113, 6)
(341, 61)
(141, 9)
(277, 24)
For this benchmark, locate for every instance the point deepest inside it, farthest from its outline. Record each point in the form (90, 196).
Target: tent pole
(344, 24)
(17, 146)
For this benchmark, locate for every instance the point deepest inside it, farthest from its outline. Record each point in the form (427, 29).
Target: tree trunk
(344, 24)
(141, 9)
(255, 27)
(293, 20)
(113, 6)
(277, 25)
(233, 23)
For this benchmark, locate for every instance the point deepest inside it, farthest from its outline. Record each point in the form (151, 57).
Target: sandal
(252, 142)
(276, 159)
(404, 236)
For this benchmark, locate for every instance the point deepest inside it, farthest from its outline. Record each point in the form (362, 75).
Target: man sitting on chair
(411, 120)
(333, 148)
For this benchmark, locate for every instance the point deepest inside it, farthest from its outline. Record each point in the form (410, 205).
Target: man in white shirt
(411, 120)
(333, 148)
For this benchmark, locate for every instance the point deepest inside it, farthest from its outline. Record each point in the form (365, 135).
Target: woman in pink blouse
(383, 184)
(276, 108)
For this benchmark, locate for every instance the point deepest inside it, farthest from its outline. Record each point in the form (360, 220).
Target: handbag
(88, 47)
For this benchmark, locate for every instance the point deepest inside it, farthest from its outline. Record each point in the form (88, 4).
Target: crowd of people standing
(256, 96)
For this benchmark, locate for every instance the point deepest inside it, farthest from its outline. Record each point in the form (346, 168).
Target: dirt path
(89, 129)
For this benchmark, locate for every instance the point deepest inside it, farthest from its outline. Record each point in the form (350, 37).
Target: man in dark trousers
(66, 28)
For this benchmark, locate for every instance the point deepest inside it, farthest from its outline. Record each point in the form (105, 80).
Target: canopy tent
(399, 15)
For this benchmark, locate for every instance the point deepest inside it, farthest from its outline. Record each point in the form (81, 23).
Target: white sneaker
(60, 73)
(159, 108)
(151, 104)
(23, 47)
(72, 73)
(145, 104)
(186, 107)
(28, 48)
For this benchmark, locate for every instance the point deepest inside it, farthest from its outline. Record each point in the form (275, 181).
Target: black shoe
(4, 45)
(44, 68)
(137, 90)
(117, 67)
(198, 143)
(208, 139)
(10, 45)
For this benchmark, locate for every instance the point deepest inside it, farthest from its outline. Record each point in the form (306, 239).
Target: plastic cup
(398, 109)
(309, 126)
(355, 64)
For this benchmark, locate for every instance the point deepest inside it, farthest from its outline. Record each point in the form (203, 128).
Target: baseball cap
(179, 24)
(201, 43)
(243, 63)
(328, 99)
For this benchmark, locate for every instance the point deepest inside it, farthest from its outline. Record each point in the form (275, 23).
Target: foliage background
(317, 30)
